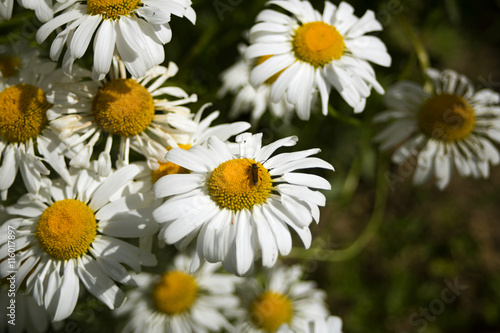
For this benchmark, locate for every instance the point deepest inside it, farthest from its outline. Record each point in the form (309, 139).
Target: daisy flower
(14, 57)
(311, 52)
(134, 110)
(157, 166)
(235, 79)
(69, 233)
(453, 126)
(28, 316)
(27, 139)
(44, 9)
(136, 30)
(177, 301)
(331, 324)
(239, 201)
(285, 304)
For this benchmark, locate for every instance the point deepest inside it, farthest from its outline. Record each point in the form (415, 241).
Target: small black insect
(255, 174)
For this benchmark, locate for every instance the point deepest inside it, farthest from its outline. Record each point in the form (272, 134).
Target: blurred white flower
(453, 126)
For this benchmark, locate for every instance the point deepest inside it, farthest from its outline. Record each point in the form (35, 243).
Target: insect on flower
(255, 174)
(254, 170)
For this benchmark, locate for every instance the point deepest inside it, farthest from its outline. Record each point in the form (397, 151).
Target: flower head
(310, 52)
(69, 233)
(235, 79)
(238, 201)
(27, 138)
(453, 126)
(135, 30)
(177, 301)
(137, 111)
(284, 304)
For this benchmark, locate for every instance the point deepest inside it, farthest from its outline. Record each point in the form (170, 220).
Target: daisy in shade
(136, 30)
(331, 324)
(238, 201)
(14, 57)
(70, 234)
(137, 111)
(451, 127)
(247, 98)
(285, 304)
(43, 8)
(177, 301)
(156, 155)
(29, 316)
(314, 52)
(27, 140)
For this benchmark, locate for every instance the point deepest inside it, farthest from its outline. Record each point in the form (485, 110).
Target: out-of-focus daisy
(69, 233)
(239, 202)
(44, 9)
(235, 79)
(135, 110)
(453, 126)
(24, 315)
(14, 57)
(135, 29)
(313, 52)
(284, 304)
(27, 140)
(177, 301)
(332, 324)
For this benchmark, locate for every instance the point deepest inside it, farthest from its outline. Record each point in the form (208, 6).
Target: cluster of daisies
(116, 165)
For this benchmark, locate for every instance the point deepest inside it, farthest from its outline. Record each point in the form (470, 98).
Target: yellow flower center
(318, 43)
(240, 183)
(111, 9)
(123, 107)
(175, 293)
(446, 117)
(9, 65)
(23, 109)
(273, 78)
(271, 310)
(169, 168)
(66, 229)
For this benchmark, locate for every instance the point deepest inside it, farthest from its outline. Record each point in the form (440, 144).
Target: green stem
(422, 55)
(368, 234)
(348, 120)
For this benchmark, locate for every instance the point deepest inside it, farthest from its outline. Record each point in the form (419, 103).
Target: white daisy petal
(99, 284)
(176, 184)
(112, 184)
(70, 288)
(104, 45)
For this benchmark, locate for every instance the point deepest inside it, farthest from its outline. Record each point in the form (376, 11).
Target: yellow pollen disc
(446, 117)
(111, 9)
(23, 109)
(271, 310)
(273, 78)
(169, 168)
(240, 183)
(318, 43)
(66, 229)
(123, 107)
(9, 65)
(175, 293)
